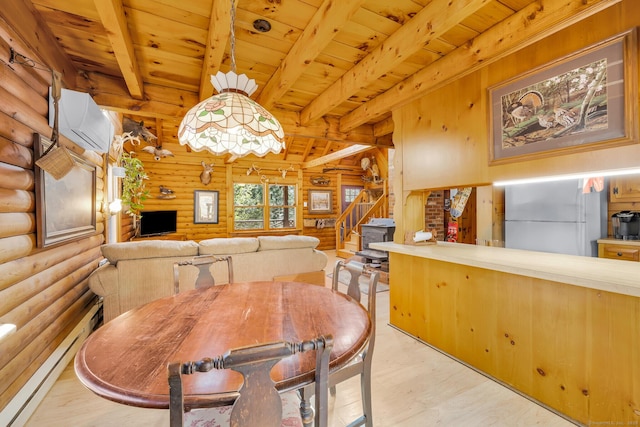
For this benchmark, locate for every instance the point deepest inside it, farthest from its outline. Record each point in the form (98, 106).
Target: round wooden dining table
(126, 359)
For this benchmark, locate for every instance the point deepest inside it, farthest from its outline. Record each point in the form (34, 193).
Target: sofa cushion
(115, 252)
(228, 245)
(269, 243)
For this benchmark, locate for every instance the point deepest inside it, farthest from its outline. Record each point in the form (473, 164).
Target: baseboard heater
(24, 404)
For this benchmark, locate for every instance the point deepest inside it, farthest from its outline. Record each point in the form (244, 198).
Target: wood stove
(377, 230)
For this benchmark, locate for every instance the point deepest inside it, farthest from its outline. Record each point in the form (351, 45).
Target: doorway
(348, 194)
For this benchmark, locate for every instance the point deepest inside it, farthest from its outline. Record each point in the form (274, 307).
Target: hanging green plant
(134, 192)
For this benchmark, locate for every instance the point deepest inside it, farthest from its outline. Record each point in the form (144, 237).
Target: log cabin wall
(337, 180)
(453, 121)
(180, 173)
(43, 292)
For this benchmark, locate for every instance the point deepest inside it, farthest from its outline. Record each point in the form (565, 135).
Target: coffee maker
(626, 225)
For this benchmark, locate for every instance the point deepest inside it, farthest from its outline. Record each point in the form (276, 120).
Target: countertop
(596, 273)
(611, 240)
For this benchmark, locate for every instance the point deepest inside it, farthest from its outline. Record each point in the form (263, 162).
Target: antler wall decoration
(255, 169)
(157, 151)
(263, 178)
(369, 164)
(120, 140)
(283, 172)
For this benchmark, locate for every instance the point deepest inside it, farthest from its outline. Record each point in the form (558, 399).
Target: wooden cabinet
(619, 249)
(624, 189)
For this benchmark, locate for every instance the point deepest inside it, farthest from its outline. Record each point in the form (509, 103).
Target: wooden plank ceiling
(330, 70)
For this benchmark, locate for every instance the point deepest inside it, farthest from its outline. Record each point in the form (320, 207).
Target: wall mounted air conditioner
(82, 121)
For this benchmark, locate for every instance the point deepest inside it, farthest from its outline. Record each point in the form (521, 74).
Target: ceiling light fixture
(262, 25)
(231, 122)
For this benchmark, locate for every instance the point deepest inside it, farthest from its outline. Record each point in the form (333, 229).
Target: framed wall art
(65, 207)
(205, 207)
(580, 102)
(320, 201)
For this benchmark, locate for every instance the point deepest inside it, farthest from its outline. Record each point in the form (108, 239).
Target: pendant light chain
(230, 122)
(233, 36)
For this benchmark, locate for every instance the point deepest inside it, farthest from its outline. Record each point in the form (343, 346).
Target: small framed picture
(320, 201)
(205, 207)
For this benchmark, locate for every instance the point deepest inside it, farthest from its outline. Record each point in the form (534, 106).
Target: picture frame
(65, 207)
(205, 207)
(580, 102)
(320, 201)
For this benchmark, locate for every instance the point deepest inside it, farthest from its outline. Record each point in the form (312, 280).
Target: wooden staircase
(360, 211)
(352, 245)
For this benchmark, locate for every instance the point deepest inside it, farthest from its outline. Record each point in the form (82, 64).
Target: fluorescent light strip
(567, 177)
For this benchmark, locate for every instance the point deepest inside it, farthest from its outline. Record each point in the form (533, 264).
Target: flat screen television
(157, 223)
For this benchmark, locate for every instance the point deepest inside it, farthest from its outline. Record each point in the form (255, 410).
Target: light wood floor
(412, 385)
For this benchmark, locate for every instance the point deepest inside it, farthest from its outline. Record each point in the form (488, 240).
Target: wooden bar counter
(563, 330)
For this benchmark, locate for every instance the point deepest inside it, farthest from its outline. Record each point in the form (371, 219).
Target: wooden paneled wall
(43, 292)
(453, 123)
(181, 174)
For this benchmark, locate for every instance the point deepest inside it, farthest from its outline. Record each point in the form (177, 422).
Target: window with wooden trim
(264, 206)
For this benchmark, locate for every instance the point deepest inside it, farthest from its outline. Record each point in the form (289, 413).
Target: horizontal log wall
(181, 174)
(43, 292)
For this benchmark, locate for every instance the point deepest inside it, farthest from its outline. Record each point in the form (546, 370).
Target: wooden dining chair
(203, 263)
(361, 364)
(258, 403)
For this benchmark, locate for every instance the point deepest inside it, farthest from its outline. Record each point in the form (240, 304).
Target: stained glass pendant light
(230, 122)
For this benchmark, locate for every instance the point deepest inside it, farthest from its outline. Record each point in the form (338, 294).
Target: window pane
(350, 194)
(248, 195)
(282, 218)
(248, 218)
(282, 195)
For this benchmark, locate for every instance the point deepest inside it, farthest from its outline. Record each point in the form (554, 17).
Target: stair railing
(359, 212)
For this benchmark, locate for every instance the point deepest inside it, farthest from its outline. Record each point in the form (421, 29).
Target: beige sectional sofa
(142, 271)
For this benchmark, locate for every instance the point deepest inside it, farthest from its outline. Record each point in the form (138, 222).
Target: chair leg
(306, 409)
(365, 389)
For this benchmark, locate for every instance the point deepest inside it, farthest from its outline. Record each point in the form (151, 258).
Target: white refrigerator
(555, 217)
